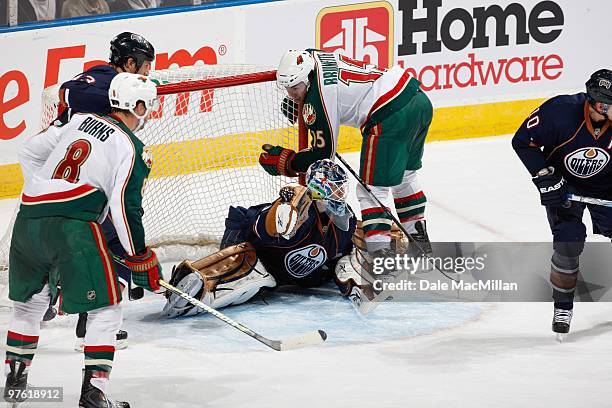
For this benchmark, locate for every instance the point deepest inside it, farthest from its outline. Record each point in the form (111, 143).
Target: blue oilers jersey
(308, 259)
(561, 134)
(87, 93)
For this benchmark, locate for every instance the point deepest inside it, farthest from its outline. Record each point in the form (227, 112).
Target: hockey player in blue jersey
(88, 93)
(296, 240)
(566, 145)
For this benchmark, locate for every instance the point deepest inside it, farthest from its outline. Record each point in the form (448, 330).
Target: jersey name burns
(96, 128)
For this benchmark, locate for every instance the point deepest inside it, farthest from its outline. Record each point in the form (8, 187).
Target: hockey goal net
(205, 140)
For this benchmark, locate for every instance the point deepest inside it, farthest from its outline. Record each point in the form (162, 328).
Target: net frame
(188, 81)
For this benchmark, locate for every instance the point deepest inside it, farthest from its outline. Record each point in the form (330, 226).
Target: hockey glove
(552, 187)
(146, 270)
(276, 160)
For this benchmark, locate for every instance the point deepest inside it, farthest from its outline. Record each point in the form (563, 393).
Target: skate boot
(421, 239)
(383, 270)
(16, 383)
(385, 273)
(561, 322)
(122, 340)
(92, 397)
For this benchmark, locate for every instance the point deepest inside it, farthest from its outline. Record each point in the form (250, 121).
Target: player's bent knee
(569, 238)
(228, 277)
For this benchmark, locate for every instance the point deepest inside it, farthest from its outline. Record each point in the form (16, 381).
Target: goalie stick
(305, 340)
(292, 343)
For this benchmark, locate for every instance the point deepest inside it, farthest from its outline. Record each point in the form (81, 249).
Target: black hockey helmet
(599, 87)
(129, 45)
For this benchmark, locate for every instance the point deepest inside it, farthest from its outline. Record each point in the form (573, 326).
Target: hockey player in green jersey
(393, 115)
(75, 174)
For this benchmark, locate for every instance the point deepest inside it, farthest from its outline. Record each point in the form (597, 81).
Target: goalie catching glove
(146, 270)
(276, 160)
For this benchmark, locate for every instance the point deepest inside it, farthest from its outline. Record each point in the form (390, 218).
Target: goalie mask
(328, 183)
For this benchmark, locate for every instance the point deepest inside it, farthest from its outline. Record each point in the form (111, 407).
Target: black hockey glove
(552, 187)
(290, 109)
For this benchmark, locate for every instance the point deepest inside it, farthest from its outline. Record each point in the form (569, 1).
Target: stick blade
(305, 340)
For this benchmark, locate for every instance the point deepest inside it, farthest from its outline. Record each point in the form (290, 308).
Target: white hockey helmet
(126, 90)
(294, 67)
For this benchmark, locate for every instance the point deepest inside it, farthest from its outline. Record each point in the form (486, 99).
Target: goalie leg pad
(351, 277)
(228, 277)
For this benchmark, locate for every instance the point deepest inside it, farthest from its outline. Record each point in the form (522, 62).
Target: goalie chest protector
(307, 259)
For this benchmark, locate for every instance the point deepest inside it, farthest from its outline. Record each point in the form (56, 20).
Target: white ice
(402, 355)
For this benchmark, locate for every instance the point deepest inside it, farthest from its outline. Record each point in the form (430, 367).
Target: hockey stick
(309, 339)
(305, 340)
(389, 213)
(589, 200)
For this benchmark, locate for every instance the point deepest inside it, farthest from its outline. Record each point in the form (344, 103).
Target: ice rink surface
(401, 355)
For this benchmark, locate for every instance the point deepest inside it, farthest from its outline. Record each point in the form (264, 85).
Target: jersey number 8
(70, 167)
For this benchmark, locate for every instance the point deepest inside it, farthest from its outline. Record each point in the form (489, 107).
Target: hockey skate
(92, 397)
(561, 323)
(420, 239)
(16, 384)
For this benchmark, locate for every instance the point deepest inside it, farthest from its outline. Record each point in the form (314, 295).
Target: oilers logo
(304, 261)
(587, 161)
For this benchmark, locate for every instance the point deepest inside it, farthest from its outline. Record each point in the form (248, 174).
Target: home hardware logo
(361, 31)
(491, 35)
(543, 23)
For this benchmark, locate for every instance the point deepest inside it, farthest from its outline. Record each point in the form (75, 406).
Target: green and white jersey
(352, 93)
(84, 169)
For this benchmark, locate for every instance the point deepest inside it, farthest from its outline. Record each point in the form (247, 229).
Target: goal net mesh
(205, 140)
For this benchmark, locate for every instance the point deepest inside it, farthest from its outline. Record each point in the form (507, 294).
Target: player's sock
(410, 210)
(22, 341)
(100, 339)
(563, 278)
(19, 348)
(23, 330)
(376, 222)
(81, 330)
(99, 363)
(409, 201)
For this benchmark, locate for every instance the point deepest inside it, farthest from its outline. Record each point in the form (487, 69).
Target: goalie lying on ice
(296, 240)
